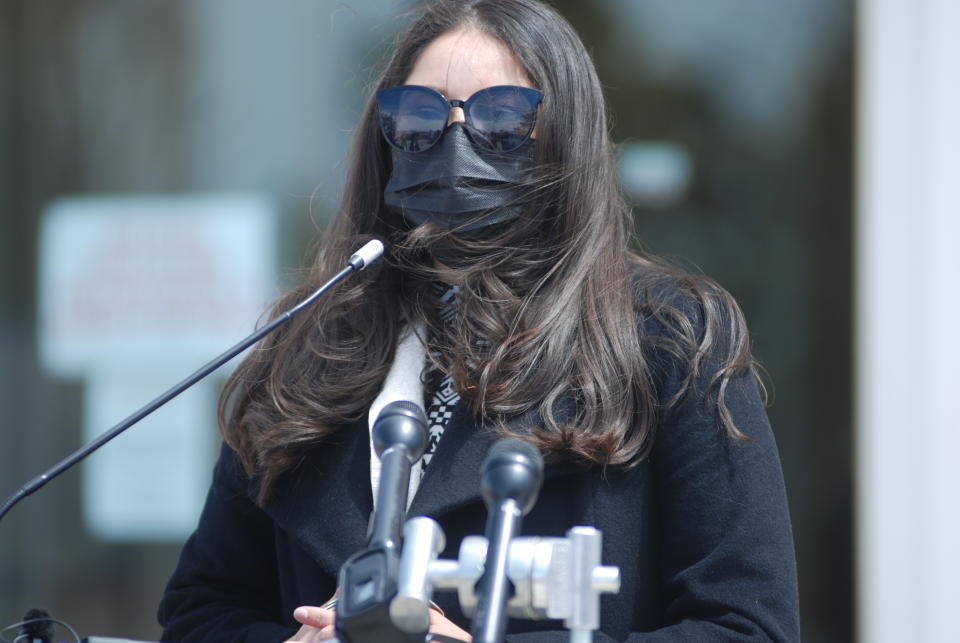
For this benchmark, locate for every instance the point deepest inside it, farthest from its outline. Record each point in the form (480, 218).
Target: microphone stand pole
(366, 255)
(368, 579)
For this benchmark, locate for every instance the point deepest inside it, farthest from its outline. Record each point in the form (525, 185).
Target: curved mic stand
(366, 255)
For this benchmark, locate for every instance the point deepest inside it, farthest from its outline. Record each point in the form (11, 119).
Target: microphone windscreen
(514, 450)
(405, 407)
(401, 422)
(367, 254)
(513, 470)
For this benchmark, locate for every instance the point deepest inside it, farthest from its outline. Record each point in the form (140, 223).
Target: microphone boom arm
(366, 255)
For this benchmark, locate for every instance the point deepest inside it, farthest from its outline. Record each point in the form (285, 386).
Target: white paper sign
(135, 293)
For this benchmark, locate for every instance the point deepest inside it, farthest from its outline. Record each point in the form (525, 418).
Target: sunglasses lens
(502, 117)
(412, 118)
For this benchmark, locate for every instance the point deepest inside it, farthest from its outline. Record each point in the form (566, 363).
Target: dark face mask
(455, 184)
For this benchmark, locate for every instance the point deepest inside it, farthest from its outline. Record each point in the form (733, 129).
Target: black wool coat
(699, 529)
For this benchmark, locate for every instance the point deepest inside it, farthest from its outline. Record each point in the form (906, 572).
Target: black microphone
(37, 627)
(368, 580)
(510, 483)
(366, 255)
(399, 439)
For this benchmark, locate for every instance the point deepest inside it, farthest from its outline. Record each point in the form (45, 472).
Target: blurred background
(164, 166)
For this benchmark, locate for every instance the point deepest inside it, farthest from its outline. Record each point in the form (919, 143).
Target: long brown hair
(555, 311)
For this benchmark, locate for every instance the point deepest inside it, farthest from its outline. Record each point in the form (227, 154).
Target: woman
(484, 158)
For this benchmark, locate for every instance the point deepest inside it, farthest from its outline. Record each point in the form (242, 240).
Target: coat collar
(453, 478)
(325, 505)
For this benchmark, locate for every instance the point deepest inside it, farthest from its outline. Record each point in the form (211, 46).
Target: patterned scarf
(444, 398)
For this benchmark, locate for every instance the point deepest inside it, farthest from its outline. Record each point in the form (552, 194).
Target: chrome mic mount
(553, 578)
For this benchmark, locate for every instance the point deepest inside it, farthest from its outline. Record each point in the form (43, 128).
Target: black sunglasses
(499, 118)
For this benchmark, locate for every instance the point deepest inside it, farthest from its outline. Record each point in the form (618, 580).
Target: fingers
(321, 622)
(314, 635)
(317, 617)
(440, 624)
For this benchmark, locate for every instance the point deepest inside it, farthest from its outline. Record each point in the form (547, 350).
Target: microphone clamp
(553, 578)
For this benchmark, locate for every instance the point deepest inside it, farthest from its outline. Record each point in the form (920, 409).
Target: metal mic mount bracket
(553, 578)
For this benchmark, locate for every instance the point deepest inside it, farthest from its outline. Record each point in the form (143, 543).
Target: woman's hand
(439, 624)
(318, 625)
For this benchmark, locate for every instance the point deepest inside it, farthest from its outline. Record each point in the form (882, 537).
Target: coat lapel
(325, 504)
(453, 478)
